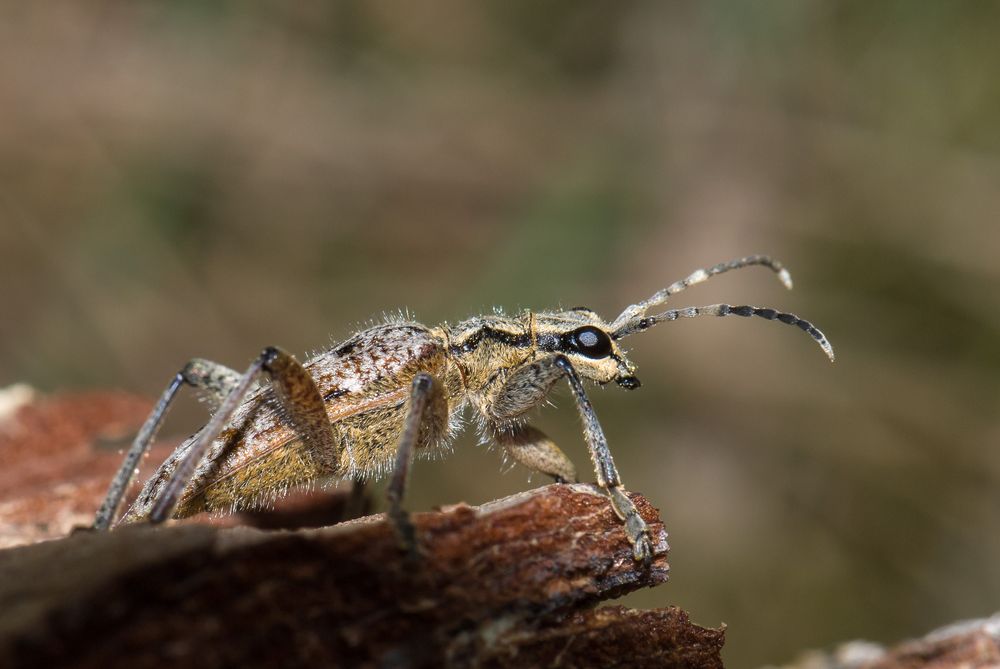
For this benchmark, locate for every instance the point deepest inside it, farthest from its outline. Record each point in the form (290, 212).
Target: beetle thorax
(487, 348)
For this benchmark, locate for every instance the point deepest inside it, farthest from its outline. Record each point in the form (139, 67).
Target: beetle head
(589, 343)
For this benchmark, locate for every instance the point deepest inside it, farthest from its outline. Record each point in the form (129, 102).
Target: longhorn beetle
(363, 408)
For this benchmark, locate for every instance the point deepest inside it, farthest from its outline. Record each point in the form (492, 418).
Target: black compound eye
(591, 342)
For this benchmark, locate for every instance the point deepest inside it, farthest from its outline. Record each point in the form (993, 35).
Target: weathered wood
(971, 644)
(513, 583)
(57, 456)
(510, 583)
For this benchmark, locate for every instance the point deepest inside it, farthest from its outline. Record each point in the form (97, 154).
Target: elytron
(361, 409)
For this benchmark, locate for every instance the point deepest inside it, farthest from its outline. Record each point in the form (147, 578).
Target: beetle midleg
(214, 381)
(607, 475)
(532, 448)
(357, 501)
(427, 402)
(297, 394)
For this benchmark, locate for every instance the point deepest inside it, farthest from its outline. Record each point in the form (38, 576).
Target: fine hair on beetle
(365, 407)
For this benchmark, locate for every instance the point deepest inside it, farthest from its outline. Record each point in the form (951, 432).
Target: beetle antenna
(645, 322)
(698, 276)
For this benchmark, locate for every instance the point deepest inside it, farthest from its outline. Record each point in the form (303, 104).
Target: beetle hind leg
(212, 381)
(296, 393)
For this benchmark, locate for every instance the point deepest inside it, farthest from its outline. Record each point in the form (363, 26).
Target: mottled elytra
(361, 409)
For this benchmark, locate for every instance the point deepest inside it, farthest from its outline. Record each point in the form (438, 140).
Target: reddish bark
(513, 583)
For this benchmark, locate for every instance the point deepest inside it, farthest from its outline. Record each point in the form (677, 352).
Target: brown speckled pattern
(503, 366)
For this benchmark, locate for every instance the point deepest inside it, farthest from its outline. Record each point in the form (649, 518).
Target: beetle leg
(357, 502)
(604, 465)
(297, 394)
(532, 448)
(426, 399)
(212, 380)
(525, 388)
(506, 399)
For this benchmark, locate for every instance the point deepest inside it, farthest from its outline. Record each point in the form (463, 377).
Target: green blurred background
(207, 178)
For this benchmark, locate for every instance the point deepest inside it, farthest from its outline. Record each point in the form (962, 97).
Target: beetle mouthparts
(628, 382)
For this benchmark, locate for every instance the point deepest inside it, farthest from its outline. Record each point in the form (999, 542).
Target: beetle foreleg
(604, 465)
(521, 391)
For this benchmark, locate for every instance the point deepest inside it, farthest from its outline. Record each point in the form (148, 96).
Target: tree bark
(513, 583)
(971, 644)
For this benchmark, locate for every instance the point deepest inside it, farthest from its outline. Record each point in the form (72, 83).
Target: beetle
(362, 408)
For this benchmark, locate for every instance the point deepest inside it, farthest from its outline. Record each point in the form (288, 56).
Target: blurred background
(207, 178)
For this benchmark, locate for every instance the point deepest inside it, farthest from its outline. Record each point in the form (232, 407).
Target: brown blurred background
(205, 179)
